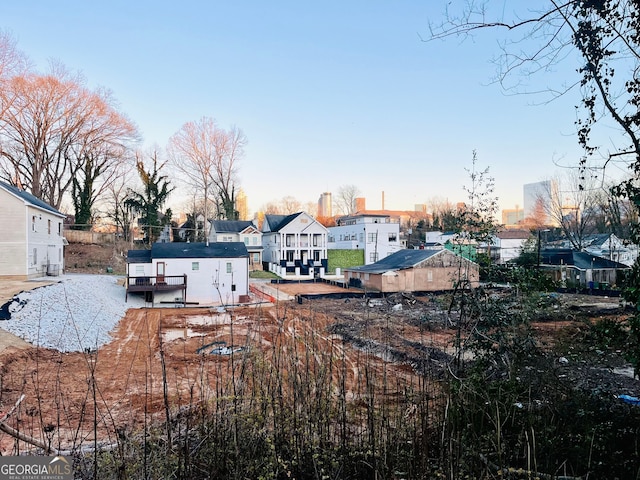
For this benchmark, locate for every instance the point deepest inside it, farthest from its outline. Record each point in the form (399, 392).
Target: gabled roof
(278, 222)
(29, 199)
(190, 250)
(399, 260)
(230, 226)
(580, 260)
(598, 239)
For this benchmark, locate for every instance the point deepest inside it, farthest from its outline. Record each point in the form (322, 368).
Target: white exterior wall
(378, 240)
(210, 284)
(302, 239)
(510, 248)
(33, 245)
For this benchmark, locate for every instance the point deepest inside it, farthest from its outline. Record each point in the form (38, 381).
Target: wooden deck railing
(156, 284)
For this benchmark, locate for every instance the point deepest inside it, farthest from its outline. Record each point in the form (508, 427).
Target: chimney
(383, 200)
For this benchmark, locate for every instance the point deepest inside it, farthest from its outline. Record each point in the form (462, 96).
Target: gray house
(581, 269)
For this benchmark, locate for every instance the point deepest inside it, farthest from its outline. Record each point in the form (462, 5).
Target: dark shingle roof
(230, 226)
(199, 250)
(397, 261)
(31, 199)
(189, 250)
(139, 256)
(278, 222)
(581, 260)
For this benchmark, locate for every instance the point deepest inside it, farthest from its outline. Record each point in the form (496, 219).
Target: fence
(82, 236)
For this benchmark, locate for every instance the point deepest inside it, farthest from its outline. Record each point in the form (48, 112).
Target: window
(35, 256)
(33, 223)
(228, 267)
(316, 255)
(373, 256)
(49, 227)
(59, 229)
(361, 235)
(227, 239)
(139, 270)
(290, 256)
(393, 237)
(290, 240)
(255, 240)
(372, 237)
(256, 257)
(195, 266)
(246, 240)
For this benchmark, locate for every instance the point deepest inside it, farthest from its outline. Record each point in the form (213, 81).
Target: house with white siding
(377, 234)
(239, 231)
(190, 273)
(294, 245)
(32, 240)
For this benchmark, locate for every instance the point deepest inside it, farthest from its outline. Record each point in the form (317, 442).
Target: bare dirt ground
(123, 384)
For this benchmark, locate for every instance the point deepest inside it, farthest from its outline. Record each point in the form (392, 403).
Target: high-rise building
(512, 216)
(242, 206)
(539, 198)
(325, 205)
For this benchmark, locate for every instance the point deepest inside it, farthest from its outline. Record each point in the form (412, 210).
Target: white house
(191, 273)
(609, 246)
(378, 235)
(31, 240)
(239, 231)
(509, 244)
(294, 244)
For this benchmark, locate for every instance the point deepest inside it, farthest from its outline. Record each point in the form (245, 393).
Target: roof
(580, 260)
(598, 239)
(230, 226)
(190, 250)
(29, 198)
(139, 256)
(513, 234)
(278, 222)
(399, 260)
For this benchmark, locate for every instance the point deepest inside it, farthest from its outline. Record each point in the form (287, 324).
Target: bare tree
(12, 62)
(49, 130)
(208, 156)
(115, 202)
(345, 200)
(570, 203)
(443, 213)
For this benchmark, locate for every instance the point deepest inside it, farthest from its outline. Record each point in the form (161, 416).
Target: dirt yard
(189, 355)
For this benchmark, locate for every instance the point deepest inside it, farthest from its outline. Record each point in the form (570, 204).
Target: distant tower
(241, 205)
(539, 199)
(324, 205)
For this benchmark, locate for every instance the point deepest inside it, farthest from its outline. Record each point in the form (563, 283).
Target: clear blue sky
(327, 93)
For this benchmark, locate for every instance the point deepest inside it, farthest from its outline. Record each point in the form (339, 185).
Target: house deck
(151, 285)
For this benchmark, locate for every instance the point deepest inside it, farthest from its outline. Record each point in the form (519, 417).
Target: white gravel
(75, 314)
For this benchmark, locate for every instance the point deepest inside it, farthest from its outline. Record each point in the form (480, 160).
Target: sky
(327, 93)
